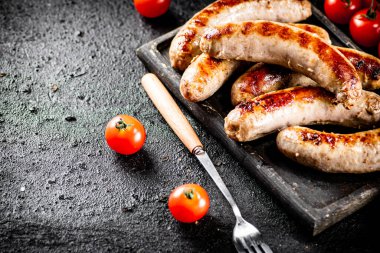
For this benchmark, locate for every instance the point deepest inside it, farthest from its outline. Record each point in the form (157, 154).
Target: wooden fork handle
(170, 111)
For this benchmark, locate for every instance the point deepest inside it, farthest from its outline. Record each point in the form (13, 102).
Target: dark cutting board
(319, 199)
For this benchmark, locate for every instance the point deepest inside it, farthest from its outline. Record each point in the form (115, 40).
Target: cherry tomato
(125, 134)
(367, 3)
(188, 203)
(365, 30)
(340, 11)
(378, 50)
(151, 8)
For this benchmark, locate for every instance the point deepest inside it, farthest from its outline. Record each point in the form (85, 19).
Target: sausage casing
(205, 75)
(185, 45)
(288, 46)
(298, 106)
(329, 152)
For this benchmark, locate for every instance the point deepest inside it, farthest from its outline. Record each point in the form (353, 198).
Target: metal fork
(245, 236)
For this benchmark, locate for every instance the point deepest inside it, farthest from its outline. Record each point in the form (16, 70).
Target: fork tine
(239, 245)
(254, 244)
(242, 247)
(265, 248)
(248, 248)
(256, 248)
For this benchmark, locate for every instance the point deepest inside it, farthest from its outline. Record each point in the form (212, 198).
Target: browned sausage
(288, 46)
(185, 45)
(298, 106)
(263, 78)
(329, 152)
(206, 75)
(366, 65)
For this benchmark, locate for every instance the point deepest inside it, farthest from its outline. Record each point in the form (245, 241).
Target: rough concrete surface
(67, 68)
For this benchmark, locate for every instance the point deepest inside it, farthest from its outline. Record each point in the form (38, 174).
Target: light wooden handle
(170, 111)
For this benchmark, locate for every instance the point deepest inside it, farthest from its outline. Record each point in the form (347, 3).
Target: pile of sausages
(298, 78)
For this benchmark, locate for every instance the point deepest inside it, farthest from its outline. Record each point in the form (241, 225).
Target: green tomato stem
(348, 2)
(189, 193)
(371, 13)
(122, 125)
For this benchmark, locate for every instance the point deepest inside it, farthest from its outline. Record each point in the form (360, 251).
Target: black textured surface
(69, 67)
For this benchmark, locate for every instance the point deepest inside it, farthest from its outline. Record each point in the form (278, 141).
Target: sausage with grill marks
(329, 152)
(366, 65)
(276, 110)
(185, 45)
(288, 46)
(205, 75)
(263, 78)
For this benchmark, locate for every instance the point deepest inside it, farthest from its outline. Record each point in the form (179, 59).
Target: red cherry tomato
(125, 134)
(365, 30)
(340, 11)
(188, 203)
(151, 8)
(378, 50)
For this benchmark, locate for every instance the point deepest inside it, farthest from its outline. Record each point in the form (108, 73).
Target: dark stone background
(70, 67)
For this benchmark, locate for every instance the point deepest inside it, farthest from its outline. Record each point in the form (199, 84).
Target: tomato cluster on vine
(362, 17)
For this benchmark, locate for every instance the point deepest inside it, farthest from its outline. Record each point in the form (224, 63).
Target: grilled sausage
(314, 29)
(366, 65)
(298, 106)
(329, 152)
(185, 45)
(263, 78)
(205, 75)
(276, 43)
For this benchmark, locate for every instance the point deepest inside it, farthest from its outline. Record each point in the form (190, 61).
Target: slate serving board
(318, 199)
